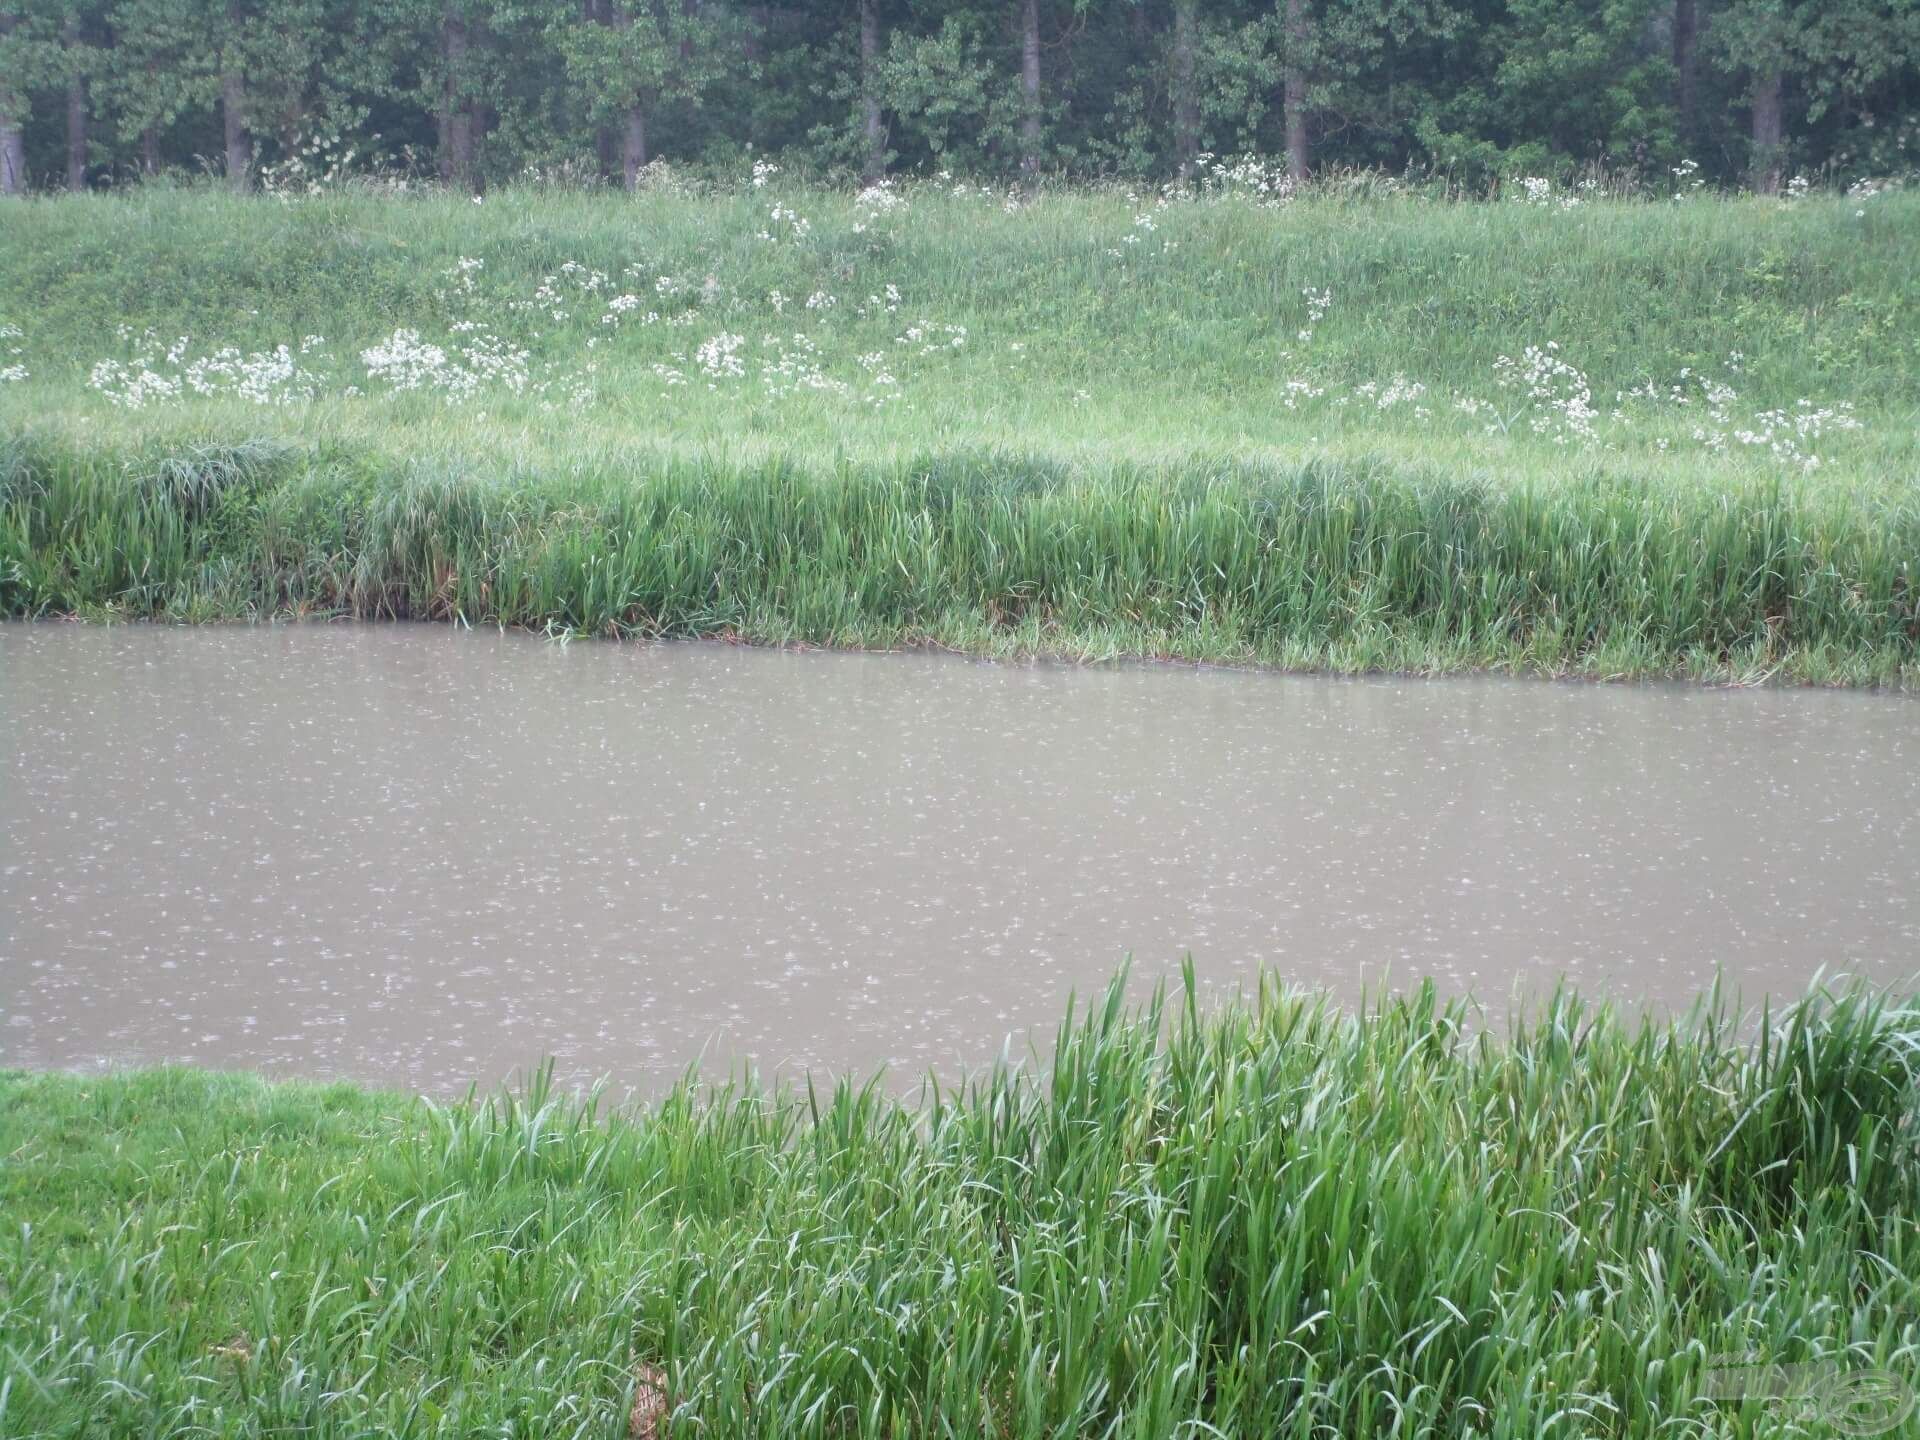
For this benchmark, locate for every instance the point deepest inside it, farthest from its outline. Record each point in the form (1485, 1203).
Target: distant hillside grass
(1612, 438)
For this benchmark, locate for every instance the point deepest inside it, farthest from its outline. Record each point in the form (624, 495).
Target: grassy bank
(1355, 430)
(1271, 1220)
(1345, 564)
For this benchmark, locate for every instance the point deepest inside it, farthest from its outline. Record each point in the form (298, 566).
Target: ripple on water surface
(422, 856)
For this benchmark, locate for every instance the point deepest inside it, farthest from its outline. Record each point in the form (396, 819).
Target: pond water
(426, 857)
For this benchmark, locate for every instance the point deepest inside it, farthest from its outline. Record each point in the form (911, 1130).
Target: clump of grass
(1362, 563)
(1268, 1218)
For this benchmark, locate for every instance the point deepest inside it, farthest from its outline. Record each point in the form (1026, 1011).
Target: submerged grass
(1274, 1218)
(1344, 563)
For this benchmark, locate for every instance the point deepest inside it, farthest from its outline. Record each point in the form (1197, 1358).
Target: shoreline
(1244, 1219)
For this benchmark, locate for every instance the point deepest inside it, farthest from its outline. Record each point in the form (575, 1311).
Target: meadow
(1268, 1218)
(1352, 429)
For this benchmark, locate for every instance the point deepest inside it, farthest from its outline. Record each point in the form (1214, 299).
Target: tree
(233, 102)
(1484, 89)
(13, 105)
(1555, 83)
(157, 71)
(458, 102)
(1686, 68)
(653, 54)
(1186, 97)
(29, 61)
(1301, 56)
(80, 55)
(951, 101)
(1029, 85)
(1337, 60)
(1822, 53)
(872, 134)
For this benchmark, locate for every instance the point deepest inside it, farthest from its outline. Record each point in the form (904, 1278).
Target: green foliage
(1342, 566)
(955, 103)
(1267, 1219)
(1206, 470)
(1476, 90)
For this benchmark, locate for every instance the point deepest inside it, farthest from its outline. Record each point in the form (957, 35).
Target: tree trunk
(233, 117)
(150, 151)
(873, 137)
(457, 162)
(1030, 86)
(1686, 67)
(76, 108)
(1186, 103)
(13, 142)
(13, 153)
(1294, 98)
(606, 142)
(634, 154)
(1769, 133)
(753, 34)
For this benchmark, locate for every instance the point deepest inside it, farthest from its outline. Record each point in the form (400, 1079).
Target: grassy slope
(1281, 1223)
(1181, 343)
(1091, 370)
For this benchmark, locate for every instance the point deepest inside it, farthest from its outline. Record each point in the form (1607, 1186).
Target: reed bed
(1343, 564)
(1267, 1218)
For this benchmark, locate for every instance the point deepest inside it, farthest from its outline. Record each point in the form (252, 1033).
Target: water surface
(422, 856)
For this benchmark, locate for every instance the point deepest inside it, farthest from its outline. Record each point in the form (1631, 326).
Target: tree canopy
(1736, 91)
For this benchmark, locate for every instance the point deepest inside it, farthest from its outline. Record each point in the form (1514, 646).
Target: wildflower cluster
(879, 201)
(1397, 391)
(719, 358)
(11, 368)
(931, 338)
(786, 223)
(458, 373)
(1785, 435)
(317, 164)
(1559, 400)
(793, 363)
(1249, 177)
(1861, 191)
(1318, 303)
(1537, 190)
(156, 372)
(1555, 402)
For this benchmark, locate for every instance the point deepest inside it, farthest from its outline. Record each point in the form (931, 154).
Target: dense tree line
(93, 91)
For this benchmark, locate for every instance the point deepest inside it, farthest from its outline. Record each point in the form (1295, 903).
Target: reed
(1267, 1218)
(1343, 564)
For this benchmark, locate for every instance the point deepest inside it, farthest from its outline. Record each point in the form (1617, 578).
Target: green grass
(1274, 1219)
(1321, 563)
(1131, 450)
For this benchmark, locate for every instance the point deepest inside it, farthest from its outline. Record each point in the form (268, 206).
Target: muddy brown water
(426, 857)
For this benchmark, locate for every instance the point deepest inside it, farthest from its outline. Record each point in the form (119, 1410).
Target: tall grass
(1084, 423)
(1347, 564)
(1270, 1219)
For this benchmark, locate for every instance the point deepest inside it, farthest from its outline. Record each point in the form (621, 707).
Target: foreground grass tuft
(1273, 1219)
